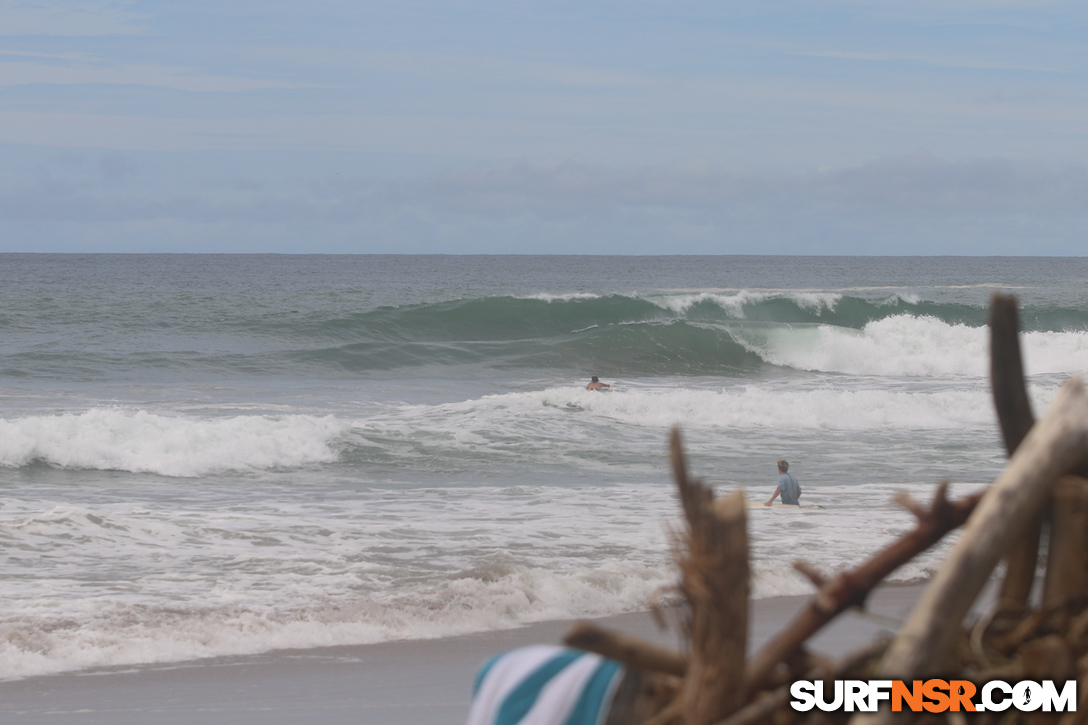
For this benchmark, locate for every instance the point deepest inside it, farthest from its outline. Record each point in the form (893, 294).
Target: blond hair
(783, 465)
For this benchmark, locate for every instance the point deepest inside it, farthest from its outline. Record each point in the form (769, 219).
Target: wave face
(696, 334)
(223, 455)
(628, 335)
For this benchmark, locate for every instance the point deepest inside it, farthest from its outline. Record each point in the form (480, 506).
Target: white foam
(1055, 352)
(733, 304)
(139, 441)
(907, 345)
(231, 583)
(751, 406)
(563, 297)
(119, 631)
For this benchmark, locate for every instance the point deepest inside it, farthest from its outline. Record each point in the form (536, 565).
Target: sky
(461, 127)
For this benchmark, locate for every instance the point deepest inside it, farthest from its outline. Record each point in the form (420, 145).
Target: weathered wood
(1055, 445)
(714, 579)
(1067, 557)
(759, 710)
(640, 696)
(1025, 630)
(811, 573)
(1078, 631)
(1015, 418)
(1014, 414)
(716, 582)
(1021, 566)
(631, 651)
(695, 498)
(852, 588)
(1048, 658)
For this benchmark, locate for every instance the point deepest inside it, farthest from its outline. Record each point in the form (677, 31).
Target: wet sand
(421, 682)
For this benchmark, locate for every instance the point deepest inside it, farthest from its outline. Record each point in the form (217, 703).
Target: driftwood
(640, 696)
(758, 710)
(725, 634)
(1067, 558)
(1015, 418)
(714, 684)
(714, 580)
(624, 648)
(1053, 446)
(1011, 401)
(852, 588)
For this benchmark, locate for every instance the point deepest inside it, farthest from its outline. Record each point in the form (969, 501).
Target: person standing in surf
(787, 486)
(596, 384)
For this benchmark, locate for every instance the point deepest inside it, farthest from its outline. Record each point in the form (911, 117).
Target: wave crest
(907, 346)
(143, 442)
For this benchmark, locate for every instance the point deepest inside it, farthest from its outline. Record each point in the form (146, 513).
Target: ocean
(205, 455)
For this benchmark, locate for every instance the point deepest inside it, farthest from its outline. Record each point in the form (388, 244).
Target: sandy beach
(419, 682)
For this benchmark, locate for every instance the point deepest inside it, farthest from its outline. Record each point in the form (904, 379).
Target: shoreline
(403, 682)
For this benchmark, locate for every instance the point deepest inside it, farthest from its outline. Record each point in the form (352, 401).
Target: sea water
(206, 455)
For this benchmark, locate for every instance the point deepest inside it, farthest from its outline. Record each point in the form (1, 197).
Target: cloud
(925, 185)
(68, 18)
(81, 70)
(60, 200)
(917, 186)
(936, 61)
(116, 166)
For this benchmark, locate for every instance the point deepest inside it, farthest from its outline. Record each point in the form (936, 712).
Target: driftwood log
(713, 684)
(624, 648)
(712, 554)
(718, 640)
(762, 708)
(714, 581)
(852, 588)
(1056, 444)
(1015, 418)
(1011, 401)
(1067, 556)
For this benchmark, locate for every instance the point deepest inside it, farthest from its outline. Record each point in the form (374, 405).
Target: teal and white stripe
(544, 685)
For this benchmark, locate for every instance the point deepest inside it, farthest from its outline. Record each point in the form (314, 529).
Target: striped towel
(544, 686)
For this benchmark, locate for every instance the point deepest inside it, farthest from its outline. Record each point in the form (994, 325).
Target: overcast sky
(725, 127)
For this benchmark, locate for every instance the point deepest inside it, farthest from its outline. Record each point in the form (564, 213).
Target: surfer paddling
(596, 384)
(787, 486)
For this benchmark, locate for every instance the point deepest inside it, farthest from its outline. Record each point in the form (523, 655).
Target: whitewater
(206, 455)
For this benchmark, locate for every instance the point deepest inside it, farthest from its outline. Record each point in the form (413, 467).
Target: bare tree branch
(852, 588)
(631, 651)
(714, 572)
(1007, 372)
(1015, 418)
(1058, 443)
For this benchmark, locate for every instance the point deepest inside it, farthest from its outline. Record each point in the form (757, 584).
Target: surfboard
(758, 505)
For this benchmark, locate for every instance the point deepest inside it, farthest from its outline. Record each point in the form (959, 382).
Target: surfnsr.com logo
(935, 695)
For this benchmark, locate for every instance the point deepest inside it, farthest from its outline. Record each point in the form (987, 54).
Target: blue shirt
(790, 489)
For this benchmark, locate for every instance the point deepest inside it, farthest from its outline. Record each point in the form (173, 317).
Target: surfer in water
(787, 486)
(596, 384)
